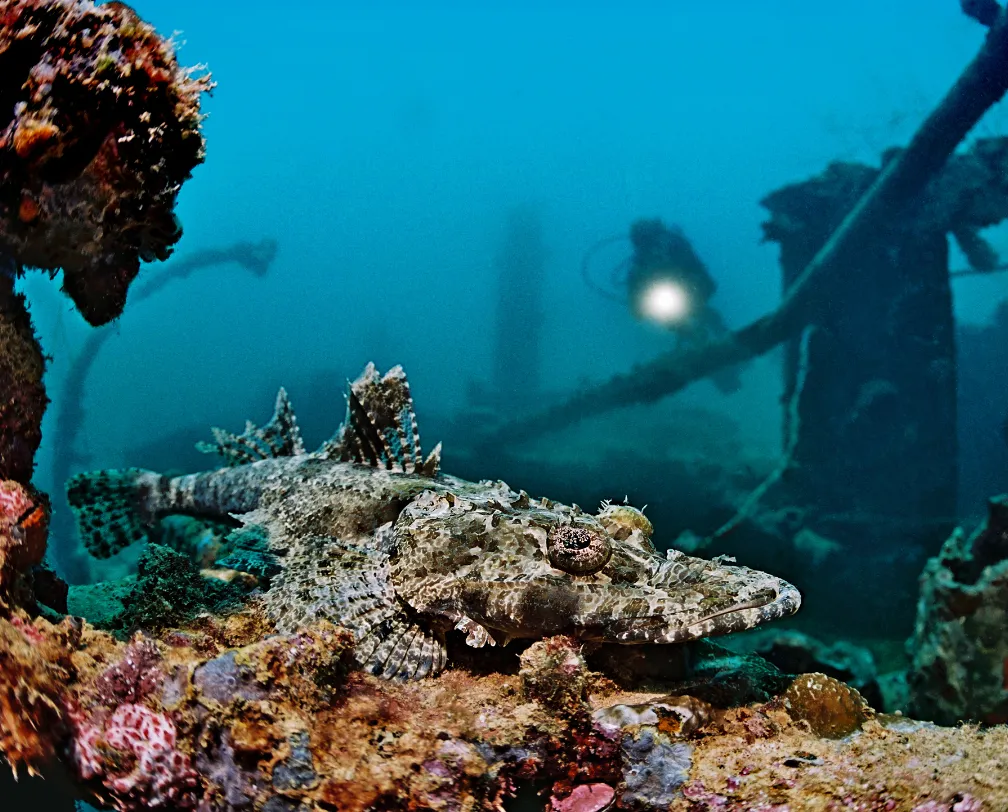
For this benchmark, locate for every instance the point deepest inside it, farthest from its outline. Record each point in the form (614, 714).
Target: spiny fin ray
(280, 437)
(380, 428)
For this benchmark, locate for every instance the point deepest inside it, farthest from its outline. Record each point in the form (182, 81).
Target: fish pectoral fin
(247, 549)
(113, 508)
(476, 634)
(349, 585)
(280, 437)
(403, 650)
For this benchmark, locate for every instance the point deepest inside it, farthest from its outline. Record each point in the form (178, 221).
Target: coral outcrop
(99, 128)
(795, 652)
(34, 670)
(22, 395)
(225, 715)
(830, 708)
(23, 526)
(959, 648)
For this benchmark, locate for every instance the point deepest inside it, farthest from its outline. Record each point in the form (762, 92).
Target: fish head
(518, 567)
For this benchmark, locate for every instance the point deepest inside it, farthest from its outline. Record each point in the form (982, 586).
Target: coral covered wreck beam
(22, 396)
(99, 128)
(982, 84)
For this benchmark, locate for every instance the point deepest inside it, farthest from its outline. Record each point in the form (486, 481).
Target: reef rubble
(223, 715)
(211, 709)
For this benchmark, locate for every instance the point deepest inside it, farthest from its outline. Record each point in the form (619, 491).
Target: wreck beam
(982, 84)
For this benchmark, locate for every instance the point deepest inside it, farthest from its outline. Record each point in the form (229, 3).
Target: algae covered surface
(224, 715)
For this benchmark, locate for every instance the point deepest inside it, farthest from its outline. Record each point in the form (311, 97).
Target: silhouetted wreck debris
(983, 410)
(875, 419)
(520, 266)
(515, 381)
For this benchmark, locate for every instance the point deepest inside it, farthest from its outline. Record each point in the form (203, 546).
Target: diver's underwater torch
(664, 282)
(663, 300)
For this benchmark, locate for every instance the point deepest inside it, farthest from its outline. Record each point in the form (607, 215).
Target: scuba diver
(665, 282)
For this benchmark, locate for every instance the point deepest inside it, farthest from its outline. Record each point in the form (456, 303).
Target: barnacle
(577, 549)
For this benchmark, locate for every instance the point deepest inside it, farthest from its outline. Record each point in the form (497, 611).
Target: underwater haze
(383, 144)
(558, 218)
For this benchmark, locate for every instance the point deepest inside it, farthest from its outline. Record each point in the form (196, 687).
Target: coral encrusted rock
(959, 648)
(99, 128)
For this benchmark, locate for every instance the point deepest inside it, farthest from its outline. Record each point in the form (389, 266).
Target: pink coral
(32, 634)
(13, 500)
(153, 773)
(585, 798)
(23, 528)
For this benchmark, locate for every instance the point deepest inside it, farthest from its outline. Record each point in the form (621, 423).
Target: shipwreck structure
(867, 302)
(872, 384)
(519, 266)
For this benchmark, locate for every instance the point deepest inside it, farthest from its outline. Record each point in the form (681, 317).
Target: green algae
(168, 590)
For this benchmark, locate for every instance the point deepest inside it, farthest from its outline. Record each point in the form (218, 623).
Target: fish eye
(576, 549)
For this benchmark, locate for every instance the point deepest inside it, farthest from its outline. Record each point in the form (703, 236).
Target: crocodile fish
(368, 533)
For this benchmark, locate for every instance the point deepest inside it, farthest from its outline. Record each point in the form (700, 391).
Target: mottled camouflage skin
(370, 536)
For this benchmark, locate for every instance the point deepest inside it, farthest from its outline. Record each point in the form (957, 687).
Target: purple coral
(134, 677)
(128, 746)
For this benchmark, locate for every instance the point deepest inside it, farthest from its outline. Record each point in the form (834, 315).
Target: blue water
(383, 144)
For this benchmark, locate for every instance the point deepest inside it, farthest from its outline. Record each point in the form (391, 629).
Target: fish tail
(116, 508)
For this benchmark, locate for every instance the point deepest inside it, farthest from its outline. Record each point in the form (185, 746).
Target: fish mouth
(676, 604)
(785, 601)
(671, 621)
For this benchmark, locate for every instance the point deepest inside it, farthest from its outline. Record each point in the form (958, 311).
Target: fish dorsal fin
(432, 464)
(380, 428)
(350, 585)
(281, 437)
